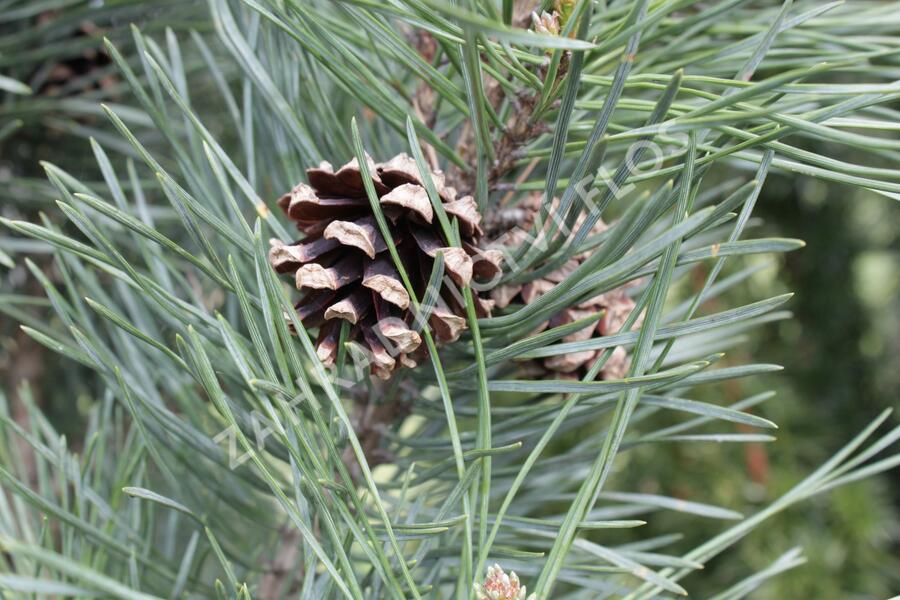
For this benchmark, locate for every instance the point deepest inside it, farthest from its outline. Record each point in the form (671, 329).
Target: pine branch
(234, 443)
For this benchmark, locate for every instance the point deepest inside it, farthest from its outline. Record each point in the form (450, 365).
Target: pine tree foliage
(55, 70)
(222, 459)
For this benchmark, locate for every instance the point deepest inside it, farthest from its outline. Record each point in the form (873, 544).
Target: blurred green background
(841, 355)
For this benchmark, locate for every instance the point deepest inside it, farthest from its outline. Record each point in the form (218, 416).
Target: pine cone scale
(411, 197)
(362, 234)
(447, 325)
(311, 310)
(305, 206)
(466, 211)
(327, 342)
(345, 182)
(382, 278)
(352, 308)
(402, 336)
(344, 272)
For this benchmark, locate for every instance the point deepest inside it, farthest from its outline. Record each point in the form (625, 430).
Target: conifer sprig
(221, 458)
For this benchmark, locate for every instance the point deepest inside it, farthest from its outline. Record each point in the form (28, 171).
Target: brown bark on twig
(370, 420)
(517, 132)
(423, 99)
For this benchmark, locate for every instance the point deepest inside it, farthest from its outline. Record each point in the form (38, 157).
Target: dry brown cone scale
(615, 305)
(346, 274)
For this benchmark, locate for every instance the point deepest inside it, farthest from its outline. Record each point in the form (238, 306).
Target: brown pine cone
(510, 227)
(346, 273)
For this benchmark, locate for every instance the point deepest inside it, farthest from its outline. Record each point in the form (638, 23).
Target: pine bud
(546, 23)
(564, 8)
(500, 586)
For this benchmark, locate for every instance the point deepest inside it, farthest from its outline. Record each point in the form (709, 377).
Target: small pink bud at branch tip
(546, 23)
(500, 586)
